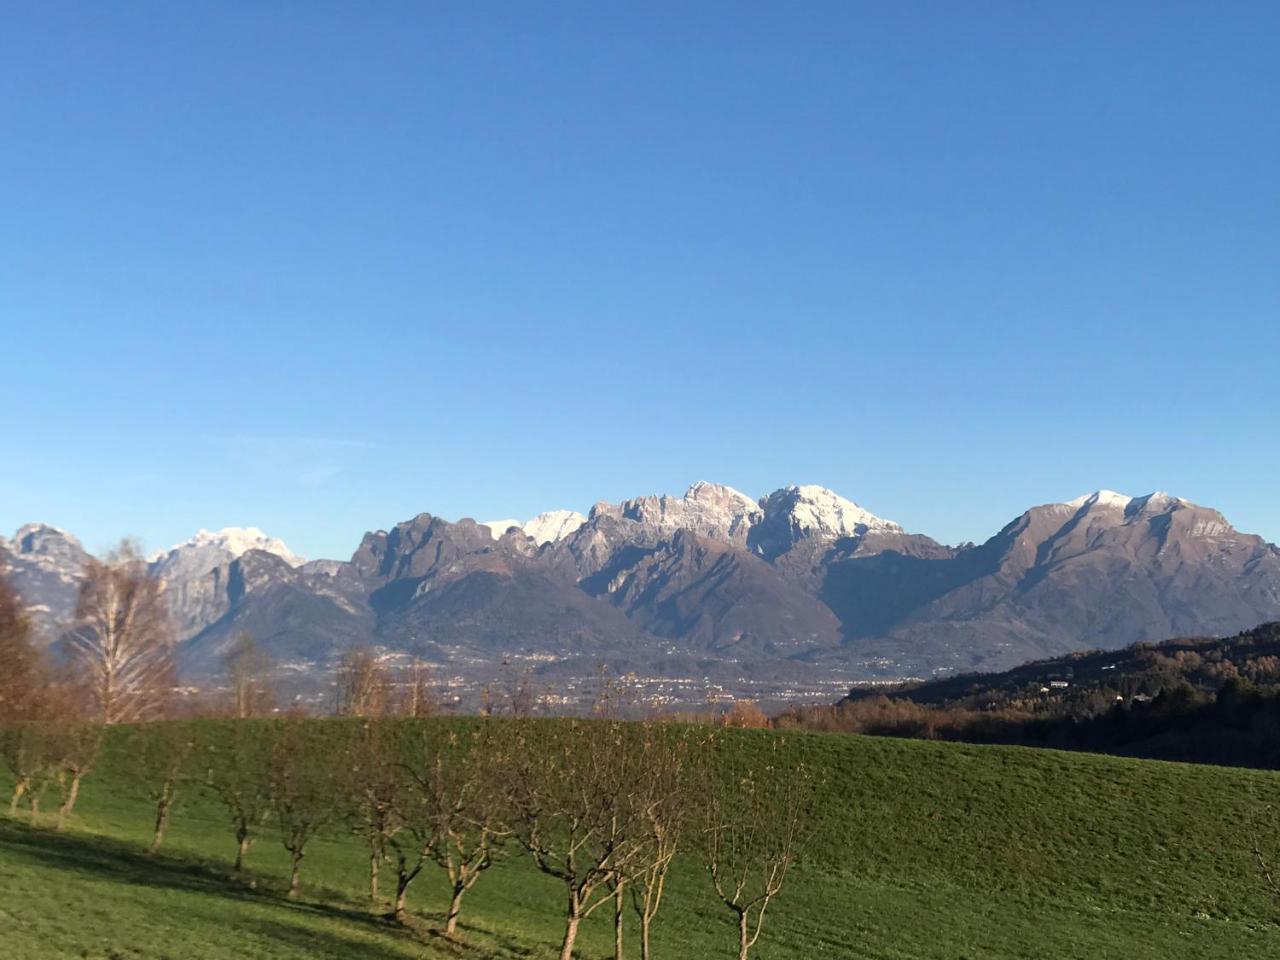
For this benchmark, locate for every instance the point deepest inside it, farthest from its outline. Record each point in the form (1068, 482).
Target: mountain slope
(801, 577)
(1101, 571)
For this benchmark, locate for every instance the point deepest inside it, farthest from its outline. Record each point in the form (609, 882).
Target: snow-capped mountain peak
(554, 525)
(546, 527)
(817, 511)
(498, 527)
(212, 548)
(1100, 498)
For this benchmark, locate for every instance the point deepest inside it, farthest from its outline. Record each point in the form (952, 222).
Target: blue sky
(318, 267)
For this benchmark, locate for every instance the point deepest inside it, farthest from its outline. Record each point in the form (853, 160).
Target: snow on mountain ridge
(208, 549)
(554, 525)
(546, 527)
(818, 511)
(1102, 498)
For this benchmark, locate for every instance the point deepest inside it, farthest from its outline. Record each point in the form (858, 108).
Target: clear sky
(318, 267)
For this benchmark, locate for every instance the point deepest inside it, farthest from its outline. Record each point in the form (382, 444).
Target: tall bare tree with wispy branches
(247, 669)
(363, 686)
(122, 642)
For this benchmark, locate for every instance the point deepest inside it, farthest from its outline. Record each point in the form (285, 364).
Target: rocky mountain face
(198, 573)
(801, 578)
(43, 564)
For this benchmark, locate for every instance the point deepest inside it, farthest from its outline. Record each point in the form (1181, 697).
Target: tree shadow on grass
(105, 858)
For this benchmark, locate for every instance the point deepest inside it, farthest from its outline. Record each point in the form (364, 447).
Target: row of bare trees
(603, 806)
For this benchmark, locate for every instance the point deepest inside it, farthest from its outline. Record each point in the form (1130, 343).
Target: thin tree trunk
(295, 875)
(402, 894)
(35, 807)
(242, 851)
(644, 934)
(618, 907)
(570, 935)
(455, 908)
(68, 803)
(162, 825)
(571, 927)
(744, 944)
(374, 866)
(19, 789)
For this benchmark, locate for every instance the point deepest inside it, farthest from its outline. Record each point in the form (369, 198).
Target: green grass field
(920, 850)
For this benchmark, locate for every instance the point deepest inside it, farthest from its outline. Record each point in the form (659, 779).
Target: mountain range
(801, 582)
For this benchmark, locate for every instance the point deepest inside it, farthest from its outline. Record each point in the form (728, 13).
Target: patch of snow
(498, 527)
(816, 511)
(210, 549)
(1101, 498)
(546, 527)
(1155, 502)
(554, 525)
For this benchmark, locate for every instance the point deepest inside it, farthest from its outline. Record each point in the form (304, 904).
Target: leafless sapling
(238, 772)
(161, 754)
(74, 745)
(302, 788)
(369, 776)
(663, 798)
(568, 792)
(27, 752)
(457, 813)
(754, 807)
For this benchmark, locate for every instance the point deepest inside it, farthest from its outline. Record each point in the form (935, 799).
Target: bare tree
(417, 698)
(363, 685)
(122, 641)
(24, 677)
(247, 669)
(74, 745)
(754, 816)
(569, 789)
(160, 755)
(301, 785)
(26, 751)
(1264, 841)
(456, 812)
(369, 778)
(238, 774)
(663, 800)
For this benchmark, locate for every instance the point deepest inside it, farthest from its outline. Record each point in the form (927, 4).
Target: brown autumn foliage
(24, 677)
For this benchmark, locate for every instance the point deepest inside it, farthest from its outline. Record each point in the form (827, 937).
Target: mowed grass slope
(918, 850)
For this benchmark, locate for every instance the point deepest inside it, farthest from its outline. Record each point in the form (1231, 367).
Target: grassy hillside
(920, 850)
